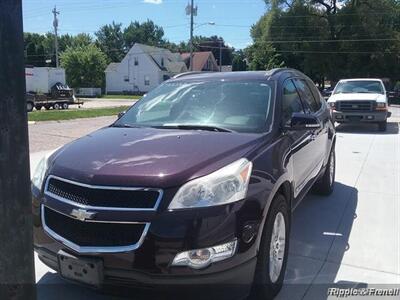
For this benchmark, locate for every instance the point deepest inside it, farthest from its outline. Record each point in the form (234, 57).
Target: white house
(142, 69)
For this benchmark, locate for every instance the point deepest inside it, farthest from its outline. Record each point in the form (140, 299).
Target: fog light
(201, 258)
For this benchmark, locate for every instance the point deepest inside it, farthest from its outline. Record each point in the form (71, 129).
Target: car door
(301, 151)
(319, 136)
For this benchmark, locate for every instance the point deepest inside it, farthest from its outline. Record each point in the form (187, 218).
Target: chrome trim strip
(92, 249)
(102, 208)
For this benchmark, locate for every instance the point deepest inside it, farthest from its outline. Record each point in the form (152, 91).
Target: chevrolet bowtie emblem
(82, 214)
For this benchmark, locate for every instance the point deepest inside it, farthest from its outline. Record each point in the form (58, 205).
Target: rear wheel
(65, 106)
(324, 185)
(47, 107)
(382, 126)
(56, 106)
(38, 107)
(272, 257)
(29, 106)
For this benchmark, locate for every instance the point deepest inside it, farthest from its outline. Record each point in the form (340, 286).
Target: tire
(324, 186)
(382, 126)
(267, 283)
(56, 106)
(38, 107)
(65, 106)
(47, 107)
(29, 106)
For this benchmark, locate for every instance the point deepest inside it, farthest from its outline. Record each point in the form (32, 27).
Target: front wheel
(56, 106)
(383, 126)
(324, 185)
(273, 254)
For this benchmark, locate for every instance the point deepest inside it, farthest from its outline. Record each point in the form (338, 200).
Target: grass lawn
(121, 97)
(56, 115)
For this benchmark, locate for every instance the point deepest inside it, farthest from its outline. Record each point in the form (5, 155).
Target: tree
(110, 39)
(84, 66)
(239, 61)
(263, 56)
(145, 33)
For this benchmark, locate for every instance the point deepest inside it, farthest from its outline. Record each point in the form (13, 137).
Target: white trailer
(46, 87)
(41, 80)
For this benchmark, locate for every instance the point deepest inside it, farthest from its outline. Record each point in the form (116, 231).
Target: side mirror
(301, 121)
(121, 114)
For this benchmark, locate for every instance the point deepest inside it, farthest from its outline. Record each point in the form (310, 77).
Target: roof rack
(190, 73)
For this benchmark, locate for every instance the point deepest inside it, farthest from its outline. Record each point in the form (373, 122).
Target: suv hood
(147, 157)
(357, 97)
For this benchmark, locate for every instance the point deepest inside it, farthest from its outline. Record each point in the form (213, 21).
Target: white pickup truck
(360, 100)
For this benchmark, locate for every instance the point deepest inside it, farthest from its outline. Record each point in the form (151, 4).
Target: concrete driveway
(351, 238)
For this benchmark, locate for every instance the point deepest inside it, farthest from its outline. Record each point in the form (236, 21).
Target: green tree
(145, 33)
(110, 39)
(263, 56)
(239, 61)
(84, 66)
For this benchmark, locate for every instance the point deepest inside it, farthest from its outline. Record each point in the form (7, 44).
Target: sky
(232, 18)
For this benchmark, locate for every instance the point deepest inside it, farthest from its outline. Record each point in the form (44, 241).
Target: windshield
(362, 86)
(234, 106)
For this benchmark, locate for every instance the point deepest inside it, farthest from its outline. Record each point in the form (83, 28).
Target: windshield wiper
(125, 126)
(193, 127)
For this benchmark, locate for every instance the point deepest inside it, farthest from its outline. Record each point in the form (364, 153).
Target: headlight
(381, 106)
(41, 169)
(224, 186)
(40, 172)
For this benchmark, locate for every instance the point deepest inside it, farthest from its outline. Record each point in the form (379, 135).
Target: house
(142, 69)
(202, 61)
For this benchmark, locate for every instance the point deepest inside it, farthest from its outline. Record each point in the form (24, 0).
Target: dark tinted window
(237, 105)
(306, 95)
(291, 102)
(317, 95)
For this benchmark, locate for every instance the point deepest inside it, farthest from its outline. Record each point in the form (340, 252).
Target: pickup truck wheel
(56, 106)
(38, 107)
(47, 107)
(273, 253)
(29, 106)
(382, 126)
(65, 106)
(324, 185)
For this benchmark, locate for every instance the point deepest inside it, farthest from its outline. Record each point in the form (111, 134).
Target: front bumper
(357, 117)
(170, 233)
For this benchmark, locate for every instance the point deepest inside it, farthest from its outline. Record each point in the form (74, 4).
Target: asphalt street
(351, 238)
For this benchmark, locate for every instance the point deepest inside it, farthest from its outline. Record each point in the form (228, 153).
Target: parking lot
(351, 238)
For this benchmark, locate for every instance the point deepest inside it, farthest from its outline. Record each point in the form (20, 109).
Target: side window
(291, 102)
(317, 95)
(306, 95)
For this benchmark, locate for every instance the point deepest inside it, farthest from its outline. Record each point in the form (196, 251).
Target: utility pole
(55, 25)
(17, 276)
(220, 55)
(192, 11)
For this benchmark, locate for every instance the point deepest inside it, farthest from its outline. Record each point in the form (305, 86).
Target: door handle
(313, 136)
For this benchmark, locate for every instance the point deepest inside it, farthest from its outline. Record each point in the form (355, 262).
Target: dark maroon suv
(192, 187)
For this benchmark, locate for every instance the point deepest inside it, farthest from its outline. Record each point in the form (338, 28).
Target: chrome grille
(355, 106)
(107, 197)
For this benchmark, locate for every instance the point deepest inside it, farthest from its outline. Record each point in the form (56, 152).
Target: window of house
(136, 61)
(146, 80)
(126, 78)
(162, 61)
